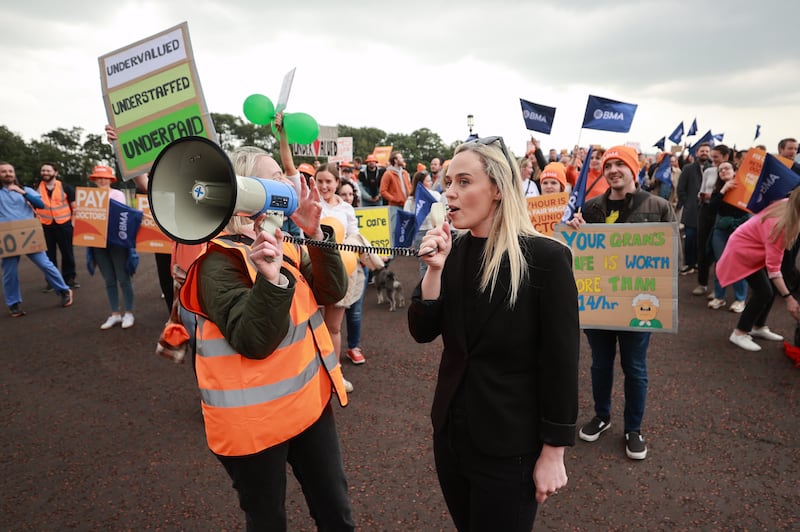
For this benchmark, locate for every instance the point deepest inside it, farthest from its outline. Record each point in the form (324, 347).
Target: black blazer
(520, 373)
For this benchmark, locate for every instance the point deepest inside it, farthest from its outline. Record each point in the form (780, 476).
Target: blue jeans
(316, 460)
(633, 358)
(719, 238)
(353, 317)
(11, 288)
(112, 261)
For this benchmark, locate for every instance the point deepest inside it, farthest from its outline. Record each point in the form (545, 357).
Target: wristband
(787, 294)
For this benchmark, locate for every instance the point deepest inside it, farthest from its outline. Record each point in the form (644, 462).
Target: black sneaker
(593, 429)
(72, 283)
(16, 311)
(635, 447)
(688, 270)
(47, 289)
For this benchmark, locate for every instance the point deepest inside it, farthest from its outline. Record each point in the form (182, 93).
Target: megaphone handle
(272, 222)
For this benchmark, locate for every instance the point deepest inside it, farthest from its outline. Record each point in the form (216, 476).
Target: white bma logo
(534, 116)
(607, 115)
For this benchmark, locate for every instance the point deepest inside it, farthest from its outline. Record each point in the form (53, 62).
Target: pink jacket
(749, 249)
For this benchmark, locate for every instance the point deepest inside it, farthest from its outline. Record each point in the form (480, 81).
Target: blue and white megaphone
(194, 191)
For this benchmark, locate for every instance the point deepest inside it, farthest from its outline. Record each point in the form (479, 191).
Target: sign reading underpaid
(152, 96)
(626, 274)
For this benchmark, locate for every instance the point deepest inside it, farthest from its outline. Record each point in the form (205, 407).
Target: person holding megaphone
(265, 362)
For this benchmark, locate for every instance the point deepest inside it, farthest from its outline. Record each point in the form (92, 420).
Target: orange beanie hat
(626, 154)
(555, 171)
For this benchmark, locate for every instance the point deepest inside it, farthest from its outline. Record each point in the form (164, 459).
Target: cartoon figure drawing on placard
(645, 308)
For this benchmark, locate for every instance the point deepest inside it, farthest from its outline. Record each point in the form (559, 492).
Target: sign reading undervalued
(152, 96)
(626, 274)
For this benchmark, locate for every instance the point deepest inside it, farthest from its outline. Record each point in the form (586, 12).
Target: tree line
(76, 151)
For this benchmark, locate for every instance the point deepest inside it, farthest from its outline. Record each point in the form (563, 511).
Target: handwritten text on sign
(626, 275)
(21, 237)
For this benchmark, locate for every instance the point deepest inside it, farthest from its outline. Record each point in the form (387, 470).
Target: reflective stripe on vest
(253, 404)
(56, 205)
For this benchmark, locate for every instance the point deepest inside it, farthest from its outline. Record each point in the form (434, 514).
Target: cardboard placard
(21, 237)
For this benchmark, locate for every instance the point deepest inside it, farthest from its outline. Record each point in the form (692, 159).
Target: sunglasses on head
(486, 141)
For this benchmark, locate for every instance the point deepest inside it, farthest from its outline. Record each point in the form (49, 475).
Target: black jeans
(705, 224)
(760, 303)
(316, 460)
(483, 492)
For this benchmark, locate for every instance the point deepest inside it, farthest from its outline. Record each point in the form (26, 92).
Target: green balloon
(259, 109)
(301, 128)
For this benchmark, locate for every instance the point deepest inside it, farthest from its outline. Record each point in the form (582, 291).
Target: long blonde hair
(787, 227)
(510, 220)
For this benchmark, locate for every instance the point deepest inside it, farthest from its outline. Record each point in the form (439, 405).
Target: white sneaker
(737, 307)
(716, 303)
(766, 334)
(112, 320)
(711, 295)
(745, 341)
(127, 320)
(699, 290)
(348, 386)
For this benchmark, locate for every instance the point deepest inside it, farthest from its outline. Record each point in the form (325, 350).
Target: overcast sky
(405, 65)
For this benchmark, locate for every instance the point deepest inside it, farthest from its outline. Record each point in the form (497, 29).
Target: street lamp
(470, 123)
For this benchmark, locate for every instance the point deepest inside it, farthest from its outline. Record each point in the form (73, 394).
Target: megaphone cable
(401, 252)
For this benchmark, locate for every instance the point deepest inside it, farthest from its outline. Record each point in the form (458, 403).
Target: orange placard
(90, 219)
(546, 211)
(382, 153)
(747, 176)
(150, 239)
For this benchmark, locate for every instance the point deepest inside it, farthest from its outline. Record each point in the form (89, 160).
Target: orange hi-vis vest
(56, 205)
(250, 405)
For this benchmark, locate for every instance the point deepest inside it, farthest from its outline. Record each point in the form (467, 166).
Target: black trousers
(705, 225)
(483, 492)
(758, 306)
(58, 237)
(316, 460)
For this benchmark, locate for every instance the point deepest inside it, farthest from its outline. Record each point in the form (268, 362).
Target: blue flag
(718, 137)
(537, 117)
(608, 115)
(660, 143)
(758, 132)
(775, 182)
(404, 229)
(676, 136)
(578, 196)
(664, 170)
(123, 224)
(692, 130)
(422, 205)
(707, 137)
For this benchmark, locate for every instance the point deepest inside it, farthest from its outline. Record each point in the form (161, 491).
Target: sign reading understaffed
(152, 96)
(626, 274)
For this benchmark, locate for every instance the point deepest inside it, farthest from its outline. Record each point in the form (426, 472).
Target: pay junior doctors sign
(626, 274)
(152, 96)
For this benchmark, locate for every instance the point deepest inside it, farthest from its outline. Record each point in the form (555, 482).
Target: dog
(389, 289)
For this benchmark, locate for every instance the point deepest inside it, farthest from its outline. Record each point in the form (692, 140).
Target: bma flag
(692, 130)
(537, 117)
(660, 143)
(664, 170)
(608, 115)
(676, 136)
(578, 196)
(405, 228)
(775, 182)
(123, 224)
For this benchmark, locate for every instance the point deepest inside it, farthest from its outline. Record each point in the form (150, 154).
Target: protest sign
(152, 96)
(546, 211)
(374, 225)
(21, 237)
(344, 151)
(90, 218)
(150, 239)
(326, 144)
(626, 274)
(747, 176)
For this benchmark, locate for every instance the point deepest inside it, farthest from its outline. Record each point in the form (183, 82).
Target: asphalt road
(101, 434)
